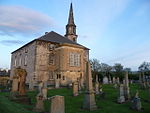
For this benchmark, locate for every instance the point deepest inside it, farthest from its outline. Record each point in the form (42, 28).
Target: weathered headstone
(105, 80)
(79, 85)
(110, 81)
(39, 104)
(118, 80)
(75, 88)
(121, 98)
(57, 83)
(18, 93)
(21, 73)
(57, 104)
(40, 86)
(136, 102)
(89, 100)
(126, 87)
(15, 84)
(44, 93)
(97, 85)
(114, 80)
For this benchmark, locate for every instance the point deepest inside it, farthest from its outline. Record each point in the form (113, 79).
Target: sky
(116, 31)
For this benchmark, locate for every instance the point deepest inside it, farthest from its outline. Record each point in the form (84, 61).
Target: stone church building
(52, 57)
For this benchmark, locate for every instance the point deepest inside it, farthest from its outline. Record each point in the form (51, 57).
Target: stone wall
(61, 68)
(38, 65)
(18, 59)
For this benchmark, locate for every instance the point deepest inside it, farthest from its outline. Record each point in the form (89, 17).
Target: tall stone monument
(57, 104)
(89, 99)
(21, 73)
(121, 98)
(18, 93)
(15, 83)
(126, 87)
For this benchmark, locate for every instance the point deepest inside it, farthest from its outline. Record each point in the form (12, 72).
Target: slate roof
(53, 37)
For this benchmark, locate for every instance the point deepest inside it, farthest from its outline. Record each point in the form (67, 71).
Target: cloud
(24, 21)
(11, 42)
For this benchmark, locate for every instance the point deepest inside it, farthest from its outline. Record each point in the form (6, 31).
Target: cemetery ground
(74, 104)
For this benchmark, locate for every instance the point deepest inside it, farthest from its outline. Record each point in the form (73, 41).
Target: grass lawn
(74, 104)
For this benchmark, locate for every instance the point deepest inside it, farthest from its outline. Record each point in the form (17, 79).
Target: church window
(15, 61)
(51, 59)
(20, 60)
(25, 60)
(58, 76)
(74, 59)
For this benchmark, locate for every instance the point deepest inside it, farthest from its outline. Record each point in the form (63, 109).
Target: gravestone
(20, 94)
(97, 85)
(75, 88)
(105, 80)
(89, 99)
(110, 81)
(40, 86)
(44, 93)
(39, 104)
(57, 104)
(79, 85)
(57, 83)
(121, 98)
(114, 80)
(136, 102)
(15, 84)
(21, 73)
(126, 87)
(118, 80)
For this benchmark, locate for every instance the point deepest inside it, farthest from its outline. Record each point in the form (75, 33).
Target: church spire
(71, 27)
(71, 18)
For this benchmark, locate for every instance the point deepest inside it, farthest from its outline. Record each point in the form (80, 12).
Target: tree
(145, 67)
(105, 68)
(95, 67)
(118, 68)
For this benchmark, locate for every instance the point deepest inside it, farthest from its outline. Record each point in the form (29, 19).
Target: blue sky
(116, 31)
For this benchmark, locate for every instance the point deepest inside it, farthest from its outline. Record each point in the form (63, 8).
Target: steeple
(71, 18)
(71, 27)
